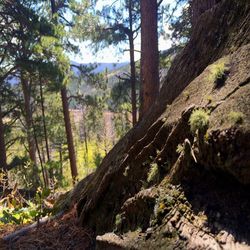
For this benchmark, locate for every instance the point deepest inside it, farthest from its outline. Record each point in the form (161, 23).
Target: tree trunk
(29, 127)
(44, 172)
(44, 122)
(149, 55)
(61, 162)
(67, 122)
(3, 158)
(132, 67)
(69, 135)
(28, 118)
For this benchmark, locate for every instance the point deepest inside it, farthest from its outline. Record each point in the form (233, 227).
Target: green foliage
(117, 23)
(181, 26)
(118, 220)
(236, 117)
(199, 120)
(180, 148)
(153, 173)
(15, 209)
(97, 159)
(218, 72)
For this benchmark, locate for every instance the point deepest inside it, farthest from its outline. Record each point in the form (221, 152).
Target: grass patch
(153, 172)
(199, 120)
(218, 73)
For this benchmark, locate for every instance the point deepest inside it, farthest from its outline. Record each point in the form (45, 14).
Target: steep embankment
(171, 183)
(198, 197)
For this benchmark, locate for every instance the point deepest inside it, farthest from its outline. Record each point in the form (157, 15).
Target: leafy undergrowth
(61, 233)
(16, 209)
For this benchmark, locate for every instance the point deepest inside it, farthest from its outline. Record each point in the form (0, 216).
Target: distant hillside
(100, 67)
(86, 89)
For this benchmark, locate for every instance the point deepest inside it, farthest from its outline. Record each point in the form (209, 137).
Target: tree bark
(3, 158)
(149, 55)
(132, 66)
(69, 135)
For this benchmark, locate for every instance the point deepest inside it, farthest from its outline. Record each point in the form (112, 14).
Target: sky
(111, 54)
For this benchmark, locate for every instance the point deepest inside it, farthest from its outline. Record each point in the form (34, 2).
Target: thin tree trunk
(61, 162)
(85, 140)
(132, 66)
(45, 133)
(149, 55)
(44, 122)
(3, 157)
(44, 172)
(69, 135)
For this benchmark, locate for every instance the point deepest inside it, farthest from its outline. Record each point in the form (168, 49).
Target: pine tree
(122, 23)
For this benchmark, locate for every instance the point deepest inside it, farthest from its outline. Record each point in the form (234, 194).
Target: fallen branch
(25, 230)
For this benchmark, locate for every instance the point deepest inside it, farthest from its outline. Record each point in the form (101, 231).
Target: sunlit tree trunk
(149, 55)
(67, 122)
(69, 134)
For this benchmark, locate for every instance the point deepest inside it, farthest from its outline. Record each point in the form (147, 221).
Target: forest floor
(61, 233)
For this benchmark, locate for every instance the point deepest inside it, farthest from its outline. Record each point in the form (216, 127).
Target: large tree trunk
(149, 55)
(3, 158)
(132, 67)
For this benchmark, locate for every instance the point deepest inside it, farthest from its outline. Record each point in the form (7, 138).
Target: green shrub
(236, 117)
(199, 120)
(153, 172)
(218, 73)
(14, 209)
